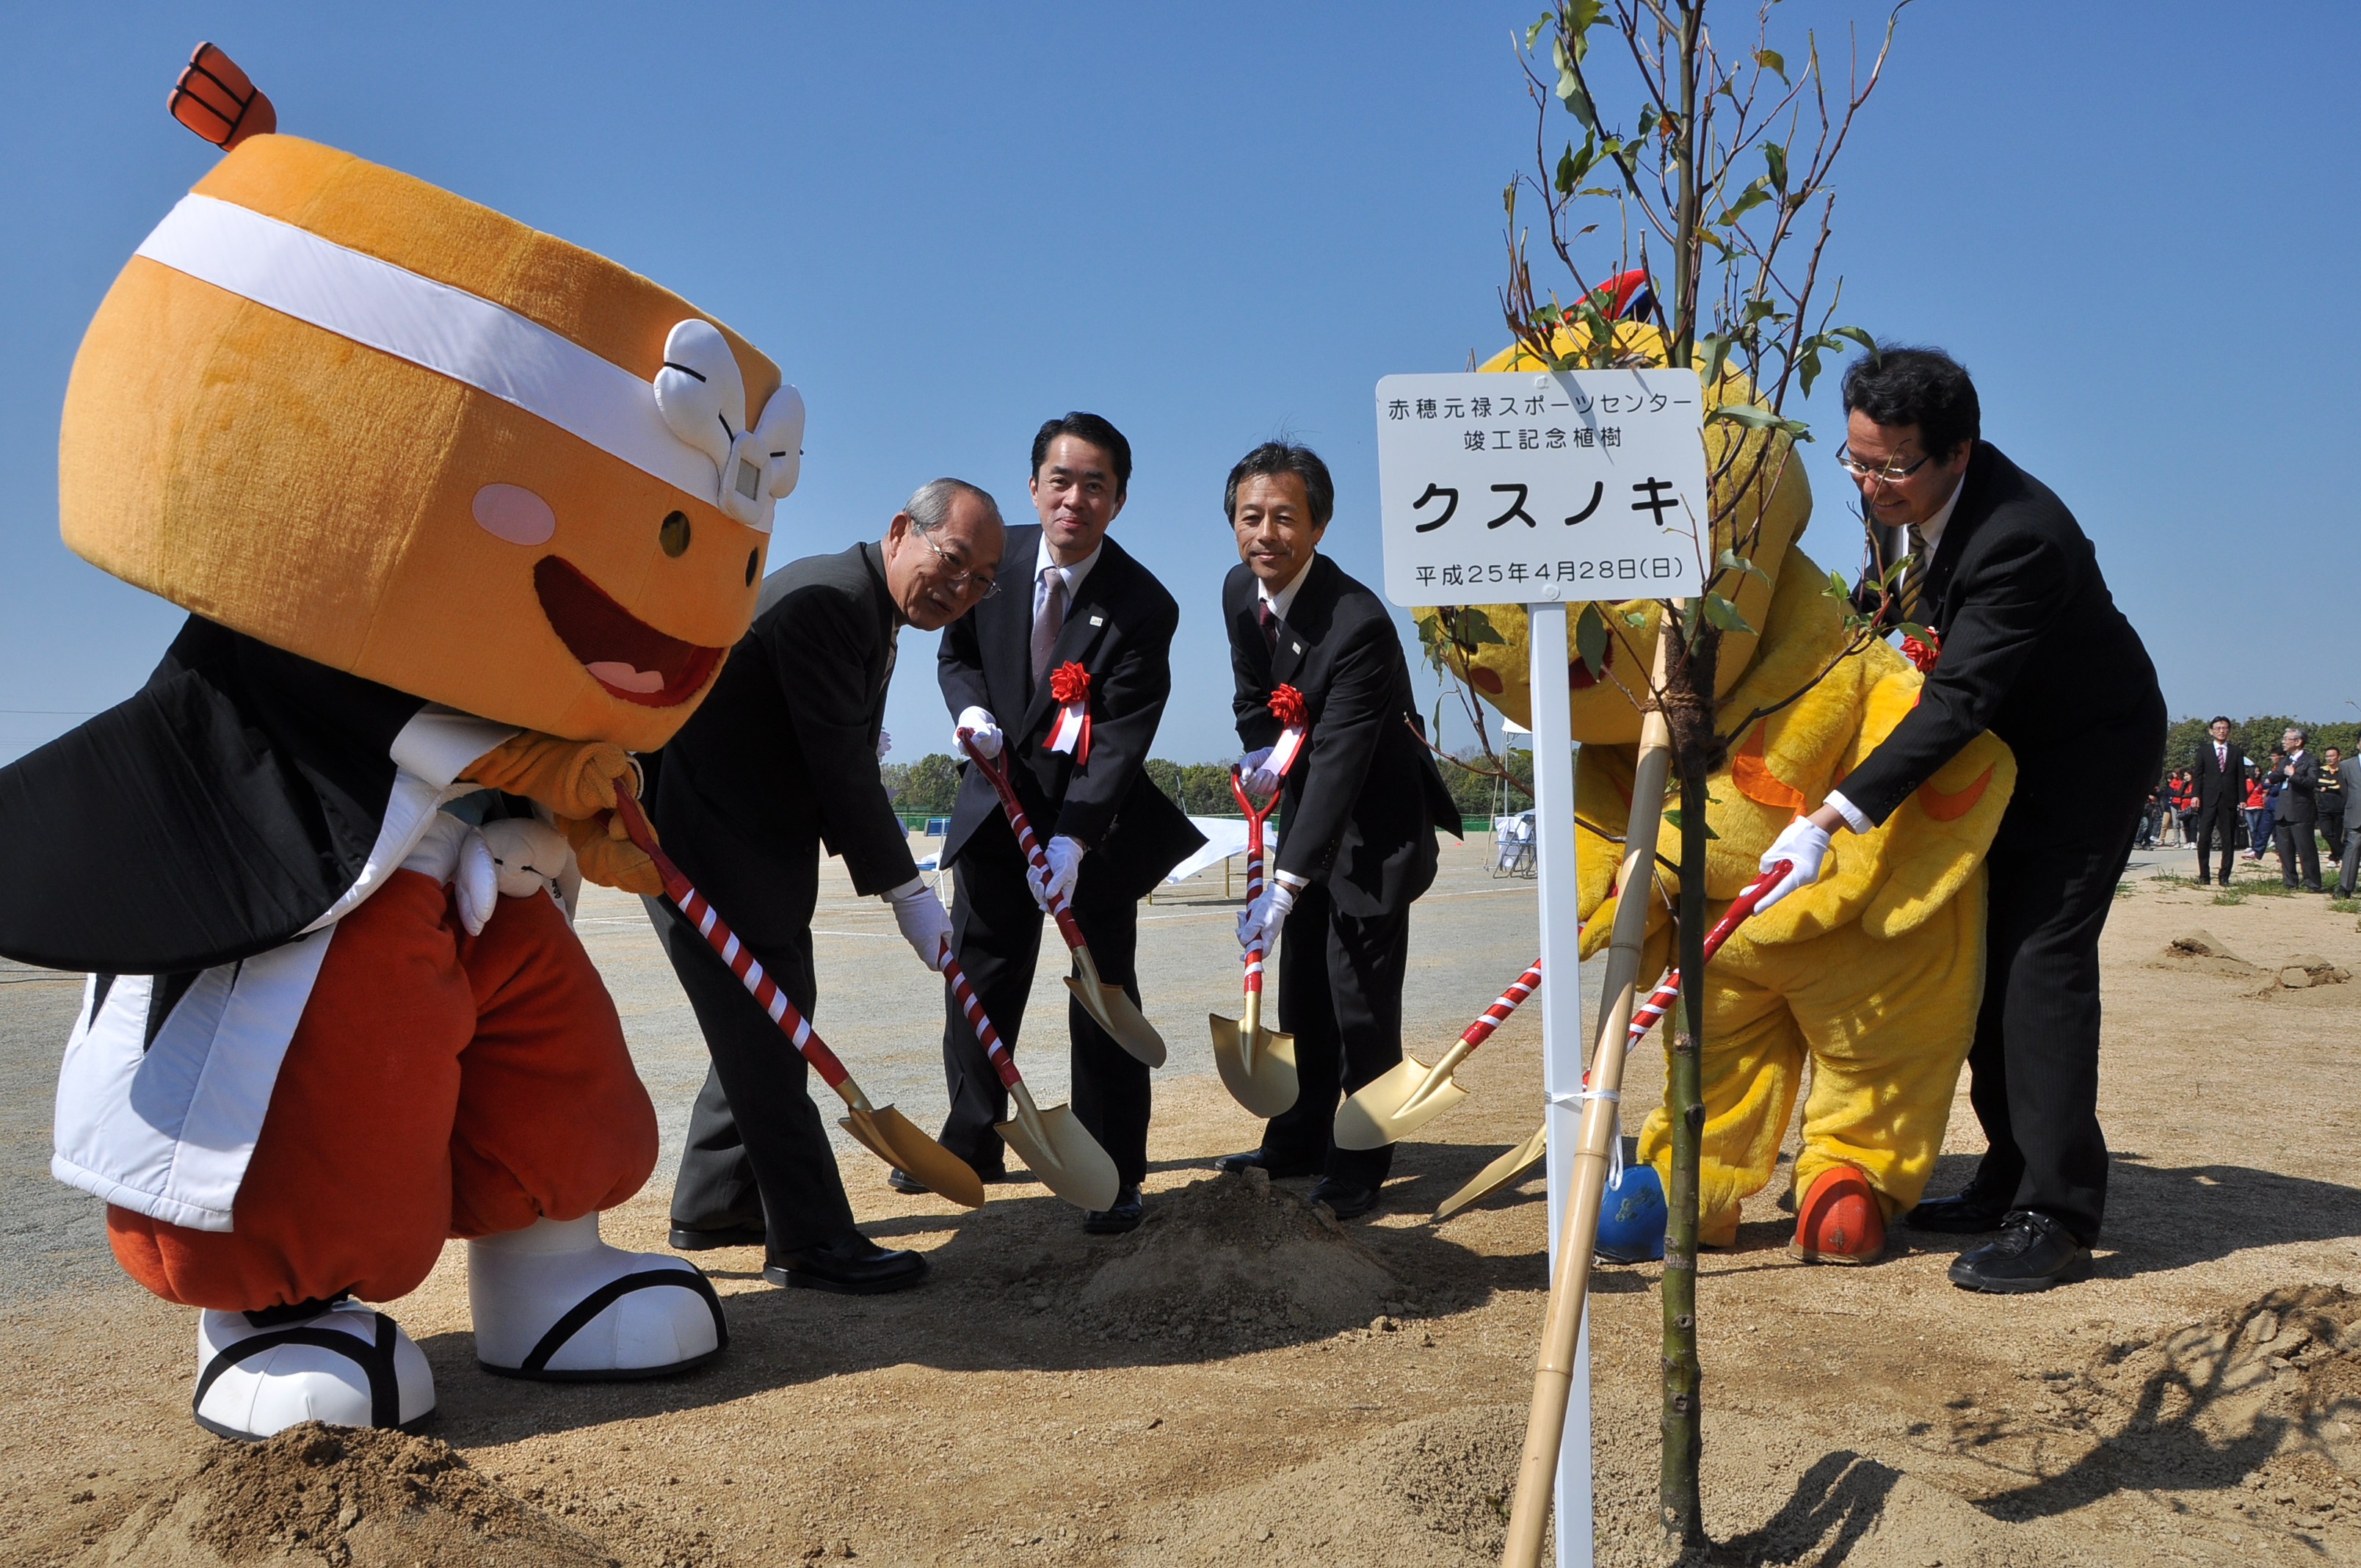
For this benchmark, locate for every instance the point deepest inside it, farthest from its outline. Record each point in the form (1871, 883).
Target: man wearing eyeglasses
(1080, 600)
(779, 762)
(2026, 643)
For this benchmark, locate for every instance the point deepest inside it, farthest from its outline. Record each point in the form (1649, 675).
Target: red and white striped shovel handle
(724, 941)
(1025, 839)
(1667, 991)
(1254, 866)
(995, 1046)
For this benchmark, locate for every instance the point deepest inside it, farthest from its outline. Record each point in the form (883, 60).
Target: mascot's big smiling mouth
(624, 653)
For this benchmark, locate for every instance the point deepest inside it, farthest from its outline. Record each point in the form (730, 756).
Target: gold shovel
(1108, 1004)
(1056, 1146)
(1257, 1065)
(1409, 1094)
(882, 1130)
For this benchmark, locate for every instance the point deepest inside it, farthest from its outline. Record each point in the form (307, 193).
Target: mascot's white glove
(453, 852)
(1254, 777)
(1065, 858)
(1258, 922)
(1803, 842)
(987, 731)
(530, 857)
(924, 925)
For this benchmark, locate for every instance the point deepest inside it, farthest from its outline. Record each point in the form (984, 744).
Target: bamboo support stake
(1554, 1376)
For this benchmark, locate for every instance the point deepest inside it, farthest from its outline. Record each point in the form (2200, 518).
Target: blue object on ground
(1632, 1216)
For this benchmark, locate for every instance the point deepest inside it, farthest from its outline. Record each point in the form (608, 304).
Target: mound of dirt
(341, 1496)
(1234, 1261)
(2307, 970)
(2199, 952)
(2265, 1397)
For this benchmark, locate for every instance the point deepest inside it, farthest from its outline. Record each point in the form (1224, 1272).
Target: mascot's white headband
(688, 428)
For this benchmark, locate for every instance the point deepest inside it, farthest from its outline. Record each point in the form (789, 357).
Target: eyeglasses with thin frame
(960, 576)
(1892, 473)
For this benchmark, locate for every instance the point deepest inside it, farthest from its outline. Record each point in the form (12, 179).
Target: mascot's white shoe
(350, 1366)
(554, 1302)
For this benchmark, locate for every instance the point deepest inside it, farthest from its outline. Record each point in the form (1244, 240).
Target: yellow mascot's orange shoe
(1838, 1221)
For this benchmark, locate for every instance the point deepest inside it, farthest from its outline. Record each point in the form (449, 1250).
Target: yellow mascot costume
(462, 515)
(1871, 976)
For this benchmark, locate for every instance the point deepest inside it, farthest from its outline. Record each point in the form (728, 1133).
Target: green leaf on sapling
(1776, 157)
(1723, 614)
(1772, 60)
(1590, 640)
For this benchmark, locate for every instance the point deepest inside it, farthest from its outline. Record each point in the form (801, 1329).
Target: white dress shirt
(1285, 596)
(1072, 576)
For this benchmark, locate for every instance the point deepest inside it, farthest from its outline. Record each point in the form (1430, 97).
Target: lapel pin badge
(1098, 620)
(1299, 647)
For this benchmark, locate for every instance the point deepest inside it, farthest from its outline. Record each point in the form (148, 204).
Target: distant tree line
(928, 787)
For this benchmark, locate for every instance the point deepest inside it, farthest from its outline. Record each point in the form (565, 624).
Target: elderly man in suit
(2032, 647)
(2218, 775)
(2295, 815)
(1072, 597)
(780, 763)
(1361, 807)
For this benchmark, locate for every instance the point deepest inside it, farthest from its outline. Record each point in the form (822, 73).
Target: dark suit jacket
(1362, 803)
(1119, 628)
(2216, 787)
(2033, 649)
(782, 757)
(2295, 802)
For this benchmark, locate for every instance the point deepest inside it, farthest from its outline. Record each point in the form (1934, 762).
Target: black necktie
(1269, 629)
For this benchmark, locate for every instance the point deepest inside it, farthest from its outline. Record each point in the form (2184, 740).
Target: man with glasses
(2026, 643)
(779, 762)
(1082, 605)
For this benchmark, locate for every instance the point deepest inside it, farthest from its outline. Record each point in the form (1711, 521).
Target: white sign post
(1549, 489)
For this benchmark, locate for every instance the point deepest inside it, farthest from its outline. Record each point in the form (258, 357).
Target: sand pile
(1232, 1261)
(338, 1495)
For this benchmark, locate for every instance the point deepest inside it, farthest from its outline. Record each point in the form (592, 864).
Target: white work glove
(986, 729)
(1805, 843)
(924, 925)
(885, 743)
(1065, 858)
(1258, 922)
(1254, 777)
(453, 852)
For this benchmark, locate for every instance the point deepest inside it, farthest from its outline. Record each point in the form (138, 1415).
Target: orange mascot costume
(462, 515)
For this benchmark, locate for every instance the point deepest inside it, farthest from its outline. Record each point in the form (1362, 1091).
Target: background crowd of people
(2266, 786)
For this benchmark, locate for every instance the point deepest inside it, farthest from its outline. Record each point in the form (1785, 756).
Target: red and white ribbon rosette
(1287, 707)
(1070, 684)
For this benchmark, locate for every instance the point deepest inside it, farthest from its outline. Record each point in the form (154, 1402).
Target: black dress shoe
(2034, 1253)
(1345, 1200)
(1124, 1216)
(850, 1266)
(1968, 1213)
(685, 1238)
(1256, 1159)
(901, 1180)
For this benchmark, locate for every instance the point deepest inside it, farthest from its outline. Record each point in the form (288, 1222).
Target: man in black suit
(1071, 596)
(1359, 810)
(2295, 815)
(2349, 781)
(2218, 775)
(2031, 647)
(779, 762)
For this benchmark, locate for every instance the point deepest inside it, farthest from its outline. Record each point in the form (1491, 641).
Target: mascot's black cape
(212, 816)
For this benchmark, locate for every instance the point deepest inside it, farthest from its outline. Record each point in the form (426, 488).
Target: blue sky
(1216, 223)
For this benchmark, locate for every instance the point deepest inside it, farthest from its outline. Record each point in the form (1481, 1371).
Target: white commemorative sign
(1521, 486)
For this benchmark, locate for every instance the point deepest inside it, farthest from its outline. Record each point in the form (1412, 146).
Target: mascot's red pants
(439, 1085)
